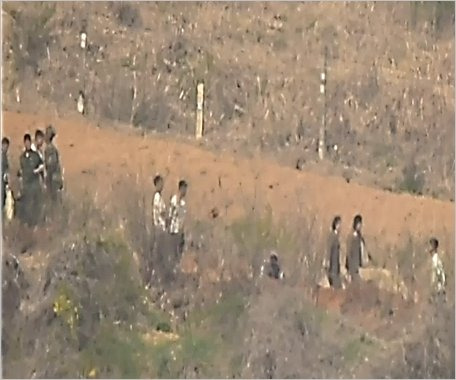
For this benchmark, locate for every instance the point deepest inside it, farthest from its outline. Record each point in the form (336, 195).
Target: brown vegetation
(73, 289)
(390, 96)
(111, 327)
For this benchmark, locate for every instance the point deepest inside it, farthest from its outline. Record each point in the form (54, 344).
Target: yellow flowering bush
(64, 308)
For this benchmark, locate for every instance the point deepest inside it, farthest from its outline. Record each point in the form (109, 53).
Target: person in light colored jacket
(438, 277)
(177, 213)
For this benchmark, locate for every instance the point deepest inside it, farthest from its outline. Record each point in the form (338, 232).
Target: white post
(81, 103)
(321, 137)
(83, 40)
(48, 53)
(199, 110)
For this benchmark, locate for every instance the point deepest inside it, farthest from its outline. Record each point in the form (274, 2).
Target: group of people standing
(168, 224)
(358, 257)
(40, 175)
(356, 252)
(42, 182)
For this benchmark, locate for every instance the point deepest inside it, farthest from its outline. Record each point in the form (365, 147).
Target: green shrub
(163, 326)
(255, 234)
(115, 352)
(354, 348)
(33, 33)
(412, 180)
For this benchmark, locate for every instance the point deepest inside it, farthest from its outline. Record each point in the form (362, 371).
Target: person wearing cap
(31, 194)
(38, 147)
(54, 181)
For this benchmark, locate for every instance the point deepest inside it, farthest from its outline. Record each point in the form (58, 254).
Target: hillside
(74, 304)
(97, 158)
(92, 254)
(390, 96)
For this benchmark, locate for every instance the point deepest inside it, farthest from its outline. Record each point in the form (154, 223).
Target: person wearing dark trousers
(355, 248)
(274, 267)
(5, 169)
(53, 170)
(334, 254)
(38, 147)
(31, 196)
(155, 264)
(177, 213)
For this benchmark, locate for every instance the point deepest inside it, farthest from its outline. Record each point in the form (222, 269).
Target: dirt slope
(95, 158)
(390, 106)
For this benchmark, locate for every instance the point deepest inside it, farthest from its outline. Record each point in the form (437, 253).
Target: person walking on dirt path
(31, 194)
(334, 254)
(355, 250)
(438, 277)
(177, 213)
(53, 170)
(5, 169)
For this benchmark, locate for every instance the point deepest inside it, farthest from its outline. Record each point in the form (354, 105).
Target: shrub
(32, 35)
(412, 180)
(128, 15)
(116, 352)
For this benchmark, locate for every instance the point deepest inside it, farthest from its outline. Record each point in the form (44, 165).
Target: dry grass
(259, 85)
(92, 257)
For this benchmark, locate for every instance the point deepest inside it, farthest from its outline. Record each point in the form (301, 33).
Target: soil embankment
(95, 158)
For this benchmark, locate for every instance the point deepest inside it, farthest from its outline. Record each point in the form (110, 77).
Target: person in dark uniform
(5, 168)
(271, 267)
(31, 195)
(355, 248)
(334, 253)
(54, 182)
(38, 147)
(274, 270)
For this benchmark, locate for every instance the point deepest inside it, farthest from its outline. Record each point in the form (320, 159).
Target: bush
(243, 327)
(412, 180)
(431, 353)
(128, 15)
(115, 352)
(32, 35)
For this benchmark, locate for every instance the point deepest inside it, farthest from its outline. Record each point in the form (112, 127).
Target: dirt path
(95, 158)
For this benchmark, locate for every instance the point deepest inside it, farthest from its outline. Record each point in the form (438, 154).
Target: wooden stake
(134, 104)
(321, 138)
(199, 110)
